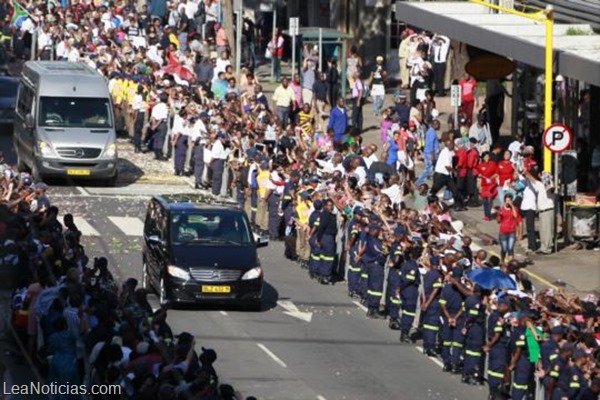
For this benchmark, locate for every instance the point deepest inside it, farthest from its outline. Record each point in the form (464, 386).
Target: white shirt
(444, 160)
(179, 126)
(515, 150)
(138, 103)
(544, 202)
(370, 160)
(221, 66)
(440, 48)
(44, 40)
(529, 201)
(73, 55)
(199, 131)
(361, 174)
(28, 26)
(394, 192)
(190, 9)
(61, 50)
(160, 112)
(218, 151)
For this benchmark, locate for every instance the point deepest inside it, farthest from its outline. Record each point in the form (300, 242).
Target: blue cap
(558, 330)
(504, 301)
(457, 272)
(204, 114)
(374, 217)
(304, 195)
(434, 260)
(313, 179)
(222, 135)
(358, 210)
(318, 205)
(401, 230)
(579, 354)
(264, 165)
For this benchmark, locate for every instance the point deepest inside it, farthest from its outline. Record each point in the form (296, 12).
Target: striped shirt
(306, 122)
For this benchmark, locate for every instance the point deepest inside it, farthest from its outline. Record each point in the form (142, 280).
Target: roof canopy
(576, 48)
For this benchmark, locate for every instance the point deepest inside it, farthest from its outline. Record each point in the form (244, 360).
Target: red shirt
(461, 162)
(468, 89)
(529, 163)
(472, 158)
(487, 170)
(508, 222)
(506, 170)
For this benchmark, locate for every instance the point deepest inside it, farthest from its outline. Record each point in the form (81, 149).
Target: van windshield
(210, 228)
(75, 112)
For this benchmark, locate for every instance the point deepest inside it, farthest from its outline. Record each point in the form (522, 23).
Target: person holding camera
(507, 217)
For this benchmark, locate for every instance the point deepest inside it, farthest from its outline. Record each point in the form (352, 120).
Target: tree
(228, 25)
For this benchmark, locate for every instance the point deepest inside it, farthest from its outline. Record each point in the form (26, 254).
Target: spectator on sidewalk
(480, 131)
(358, 90)
(469, 99)
(488, 174)
(284, 100)
(507, 218)
(276, 46)
(443, 175)
(377, 81)
(338, 122)
(545, 208)
(353, 66)
(430, 151)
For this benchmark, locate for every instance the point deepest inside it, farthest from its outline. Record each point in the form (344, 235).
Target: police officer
(315, 249)
(498, 339)
(252, 177)
(352, 245)
(179, 139)
(410, 280)
(558, 369)
(374, 259)
(159, 116)
(392, 293)
(430, 307)
(200, 134)
(219, 154)
(520, 366)
(576, 377)
(138, 110)
(290, 189)
(326, 234)
(274, 206)
(592, 392)
(451, 304)
(363, 281)
(474, 338)
(550, 348)
(290, 218)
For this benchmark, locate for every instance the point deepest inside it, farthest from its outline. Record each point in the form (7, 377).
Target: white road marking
(271, 354)
(291, 310)
(319, 397)
(365, 309)
(130, 226)
(223, 313)
(82, 191)
(85, 228)
(435, 360)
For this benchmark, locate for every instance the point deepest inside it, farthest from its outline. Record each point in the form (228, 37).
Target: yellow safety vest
(263, 179)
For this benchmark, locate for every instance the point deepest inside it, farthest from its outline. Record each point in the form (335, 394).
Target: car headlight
(254, 273)
(111, 151)
(44, 149)
(178, 272)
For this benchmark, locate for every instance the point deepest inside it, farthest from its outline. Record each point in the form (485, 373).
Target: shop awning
(576, 47)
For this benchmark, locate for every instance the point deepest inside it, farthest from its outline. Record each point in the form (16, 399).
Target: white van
(64, 124)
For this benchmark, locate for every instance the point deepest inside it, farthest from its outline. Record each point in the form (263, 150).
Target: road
(326, 349)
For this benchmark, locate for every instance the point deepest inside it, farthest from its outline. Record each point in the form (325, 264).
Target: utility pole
(239, 9)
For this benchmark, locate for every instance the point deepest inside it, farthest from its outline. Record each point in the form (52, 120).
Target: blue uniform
(570, 383)
(559, 366)
(315, 251)
(273, 203)
(181, 147)
(548, 352)
(475, 337)
(253, 195)
(452, 338)
(524, 368)
(364, 273)
(393, 283)
(498, 354)
(374, 259)
(353, 264)
(431, 316)
(288, 190)
(409, 294)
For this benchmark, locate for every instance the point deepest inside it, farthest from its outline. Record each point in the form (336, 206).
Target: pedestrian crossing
(128, 226)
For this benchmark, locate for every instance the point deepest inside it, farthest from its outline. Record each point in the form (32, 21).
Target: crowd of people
(345, 209)
(80, 325)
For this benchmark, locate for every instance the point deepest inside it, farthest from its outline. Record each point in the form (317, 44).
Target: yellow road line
(533, 275)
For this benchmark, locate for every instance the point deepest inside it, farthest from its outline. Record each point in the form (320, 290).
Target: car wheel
(162, 293)
(145, 278)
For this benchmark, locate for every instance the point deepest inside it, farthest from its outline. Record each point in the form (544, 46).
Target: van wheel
(162, 293)
(145, 277)
(35, 172)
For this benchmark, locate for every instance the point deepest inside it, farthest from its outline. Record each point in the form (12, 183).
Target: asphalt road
(309, 342)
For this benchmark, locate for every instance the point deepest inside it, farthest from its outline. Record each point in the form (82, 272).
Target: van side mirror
(29, 122)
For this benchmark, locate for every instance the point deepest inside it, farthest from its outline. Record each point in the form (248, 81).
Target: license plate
(216, 289)
(79, 172)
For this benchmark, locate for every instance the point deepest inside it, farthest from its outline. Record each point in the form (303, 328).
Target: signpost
(455, 100)
(294, 27)
(557, 139)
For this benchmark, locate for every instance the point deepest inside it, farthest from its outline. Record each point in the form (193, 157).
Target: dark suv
(196, 252)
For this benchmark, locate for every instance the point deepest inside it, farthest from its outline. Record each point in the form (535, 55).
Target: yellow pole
(548, 84)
